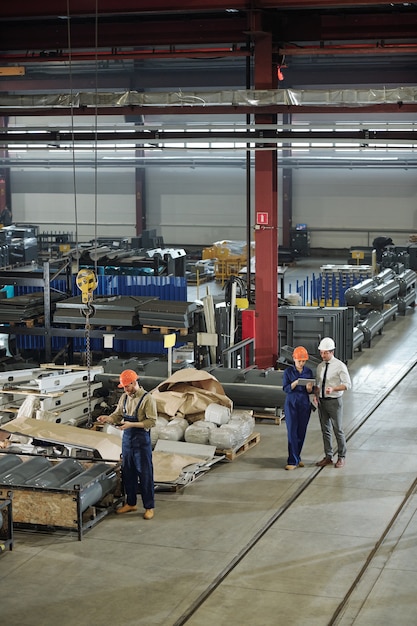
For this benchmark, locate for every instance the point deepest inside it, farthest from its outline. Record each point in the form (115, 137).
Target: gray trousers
(331, 416)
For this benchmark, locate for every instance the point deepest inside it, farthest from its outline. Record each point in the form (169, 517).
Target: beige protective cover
(108, 446)
(168, 467)
(187, 393)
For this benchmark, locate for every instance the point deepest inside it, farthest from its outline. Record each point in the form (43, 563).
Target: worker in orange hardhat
(297, 383)
(135, 414)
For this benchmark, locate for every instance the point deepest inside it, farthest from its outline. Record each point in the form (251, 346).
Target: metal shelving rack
(31, 277)
(37, 278)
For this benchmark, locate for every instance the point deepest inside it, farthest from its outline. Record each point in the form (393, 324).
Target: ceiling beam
(57, 36)
(257, 136)
(54, 8)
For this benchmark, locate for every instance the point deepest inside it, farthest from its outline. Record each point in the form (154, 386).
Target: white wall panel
(203, 205)
(369, 200)
(197, 206)
(47, 198)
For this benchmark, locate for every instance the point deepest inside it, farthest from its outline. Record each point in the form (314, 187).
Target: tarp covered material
(180, 463)
(108, 446)
(187, 393)
(238, 97)
(169, 467)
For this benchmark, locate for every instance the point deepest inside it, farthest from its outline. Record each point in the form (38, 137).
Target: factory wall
(200, 204)
(368, 200)
(204, 205)
(46, 197)
(197, 206)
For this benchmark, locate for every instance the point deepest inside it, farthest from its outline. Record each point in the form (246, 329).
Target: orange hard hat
(300, 353)
(127, 377)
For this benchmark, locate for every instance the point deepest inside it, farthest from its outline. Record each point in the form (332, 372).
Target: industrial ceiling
(149, 64)
(108, 46)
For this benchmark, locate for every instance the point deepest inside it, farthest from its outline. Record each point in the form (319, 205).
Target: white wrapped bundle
(199, 432)
(161, 422)
(171, 432)
(225, 437)
(181, 422)
(245, 421)
(217, 413)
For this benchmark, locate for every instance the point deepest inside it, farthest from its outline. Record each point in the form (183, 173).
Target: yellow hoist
(87, 283)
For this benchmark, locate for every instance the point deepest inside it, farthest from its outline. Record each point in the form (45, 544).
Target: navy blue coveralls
(137, 461)
(297, 409)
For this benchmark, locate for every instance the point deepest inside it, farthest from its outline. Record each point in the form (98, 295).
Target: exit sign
(262, 218)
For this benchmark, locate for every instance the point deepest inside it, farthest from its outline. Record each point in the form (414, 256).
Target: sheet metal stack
(130, 311)
(20, 308)
(108, 310)
(168, 313)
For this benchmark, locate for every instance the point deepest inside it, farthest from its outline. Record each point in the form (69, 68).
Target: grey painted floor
(227, 550)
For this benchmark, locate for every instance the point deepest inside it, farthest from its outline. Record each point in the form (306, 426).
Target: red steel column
(266, 233)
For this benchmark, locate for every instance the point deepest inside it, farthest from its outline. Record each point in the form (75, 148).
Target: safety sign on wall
(262, 218)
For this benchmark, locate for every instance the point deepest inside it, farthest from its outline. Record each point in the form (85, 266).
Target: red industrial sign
(262, 218)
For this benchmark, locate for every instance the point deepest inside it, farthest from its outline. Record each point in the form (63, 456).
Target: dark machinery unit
(412, 251)
(300, 242)
(301, 325)
(23, 246)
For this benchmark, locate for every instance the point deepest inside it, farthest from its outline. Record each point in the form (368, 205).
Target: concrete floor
(250, 543)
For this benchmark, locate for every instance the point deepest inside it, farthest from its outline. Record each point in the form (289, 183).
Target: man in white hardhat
(332, 380)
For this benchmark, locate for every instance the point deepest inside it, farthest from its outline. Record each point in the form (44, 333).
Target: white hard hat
(326, 343)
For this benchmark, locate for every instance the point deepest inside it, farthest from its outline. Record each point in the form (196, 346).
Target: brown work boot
(126, 508)
(148, 514)
(326, 461)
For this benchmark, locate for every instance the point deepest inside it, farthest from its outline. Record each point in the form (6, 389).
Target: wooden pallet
(231, 453)
(30, 322)
(270, 417)
(164, 330)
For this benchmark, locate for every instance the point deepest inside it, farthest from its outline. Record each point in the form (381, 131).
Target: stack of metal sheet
(168, 313)
(23, 307)
(108, 310)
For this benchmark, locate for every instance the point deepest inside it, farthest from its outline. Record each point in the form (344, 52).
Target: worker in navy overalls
(297, 407)
(135, 415)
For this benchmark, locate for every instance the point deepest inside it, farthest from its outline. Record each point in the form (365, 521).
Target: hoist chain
(87, 282)
(89, 312)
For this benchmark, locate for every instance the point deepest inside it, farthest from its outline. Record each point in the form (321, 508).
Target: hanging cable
(96, 139)
(72, 134)
(86, 279)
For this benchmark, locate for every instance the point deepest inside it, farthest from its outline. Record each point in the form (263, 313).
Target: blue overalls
(297, 411)
(137, 461)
